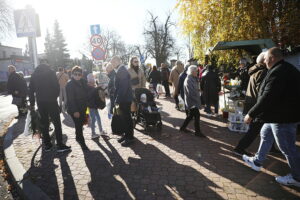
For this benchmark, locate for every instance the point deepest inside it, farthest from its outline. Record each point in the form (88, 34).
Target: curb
(26, 188)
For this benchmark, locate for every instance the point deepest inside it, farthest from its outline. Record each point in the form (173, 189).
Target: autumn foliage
(210, 21)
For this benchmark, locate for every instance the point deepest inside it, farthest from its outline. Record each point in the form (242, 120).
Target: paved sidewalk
(166, 165)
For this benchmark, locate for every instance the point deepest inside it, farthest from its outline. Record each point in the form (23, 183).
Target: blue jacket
(123, 90)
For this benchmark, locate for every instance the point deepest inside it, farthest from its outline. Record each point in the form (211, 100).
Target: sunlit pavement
(166, 165)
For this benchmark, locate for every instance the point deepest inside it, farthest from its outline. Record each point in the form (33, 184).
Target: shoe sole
(288, 184)
(250, 165)
(47, 150)
(62, 150)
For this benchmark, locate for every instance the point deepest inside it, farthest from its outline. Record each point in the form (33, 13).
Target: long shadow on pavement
(103, 184)
(216, 156)
(156, 175)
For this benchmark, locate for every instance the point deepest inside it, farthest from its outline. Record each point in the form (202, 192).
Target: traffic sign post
(96, 40)
(27, 25)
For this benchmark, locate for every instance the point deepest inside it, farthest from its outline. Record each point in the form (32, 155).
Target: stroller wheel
(159, 126)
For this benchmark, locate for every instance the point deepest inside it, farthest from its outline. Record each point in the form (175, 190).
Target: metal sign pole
(34, 52)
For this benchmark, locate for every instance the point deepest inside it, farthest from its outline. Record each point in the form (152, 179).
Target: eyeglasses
(77, 74)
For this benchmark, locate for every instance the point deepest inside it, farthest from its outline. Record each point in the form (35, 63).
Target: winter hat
(90, 78)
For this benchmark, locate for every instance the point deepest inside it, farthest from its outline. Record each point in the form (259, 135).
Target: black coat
(123, 89)
(210, 85)
(165, 74)
(154, 77)
(279, 95)
(17, 83)
(111, 89)
(77, 96)
(44, 84)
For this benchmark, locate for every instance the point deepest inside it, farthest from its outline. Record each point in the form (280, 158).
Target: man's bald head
(273, 56)
(116, 61)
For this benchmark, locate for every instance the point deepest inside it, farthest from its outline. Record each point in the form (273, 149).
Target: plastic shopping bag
(27, 130)
(181, 104)
(159, 89)
(108, 106)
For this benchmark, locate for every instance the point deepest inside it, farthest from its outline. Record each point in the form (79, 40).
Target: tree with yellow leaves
(210, 21)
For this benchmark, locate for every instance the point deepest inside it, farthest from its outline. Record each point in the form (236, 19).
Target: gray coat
(191, 92)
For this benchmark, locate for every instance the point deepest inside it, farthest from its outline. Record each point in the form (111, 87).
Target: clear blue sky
(127, 17)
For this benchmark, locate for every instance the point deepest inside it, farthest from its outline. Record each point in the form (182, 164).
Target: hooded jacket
(44, 84)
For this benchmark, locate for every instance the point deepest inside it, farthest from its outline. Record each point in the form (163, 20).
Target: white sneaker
(287, 180)
(250, 162)
(94, 136)
(103, 133)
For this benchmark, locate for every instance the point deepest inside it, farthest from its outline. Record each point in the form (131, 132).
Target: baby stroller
(147, 113)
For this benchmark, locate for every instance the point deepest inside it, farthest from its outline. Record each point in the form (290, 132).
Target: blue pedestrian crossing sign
(95, 29)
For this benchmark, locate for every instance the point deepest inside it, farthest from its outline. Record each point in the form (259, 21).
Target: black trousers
(126, 120)
(78, 127)
(192, 113)
(249, 137)
(176, 99)
(22, 108)
(167, 87)
(46, 110)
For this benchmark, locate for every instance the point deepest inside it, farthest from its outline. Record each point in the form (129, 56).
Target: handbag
(17, 101)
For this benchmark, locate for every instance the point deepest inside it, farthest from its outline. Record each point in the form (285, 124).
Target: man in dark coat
(210, 86)
(44, 88)
(278, 107)
(123, 99)
(257, 74)
(17, 87)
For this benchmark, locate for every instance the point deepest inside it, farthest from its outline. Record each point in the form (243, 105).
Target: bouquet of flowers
(33, 124)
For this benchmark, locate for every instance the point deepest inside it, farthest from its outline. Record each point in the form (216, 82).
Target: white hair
(191, 69)
(261, 57)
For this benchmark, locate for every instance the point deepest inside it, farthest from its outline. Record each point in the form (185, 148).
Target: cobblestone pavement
(166, 165)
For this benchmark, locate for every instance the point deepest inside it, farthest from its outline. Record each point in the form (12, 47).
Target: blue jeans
(285, 138)
(94, 114)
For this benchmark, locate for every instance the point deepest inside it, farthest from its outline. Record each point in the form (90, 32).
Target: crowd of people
(272, 96)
